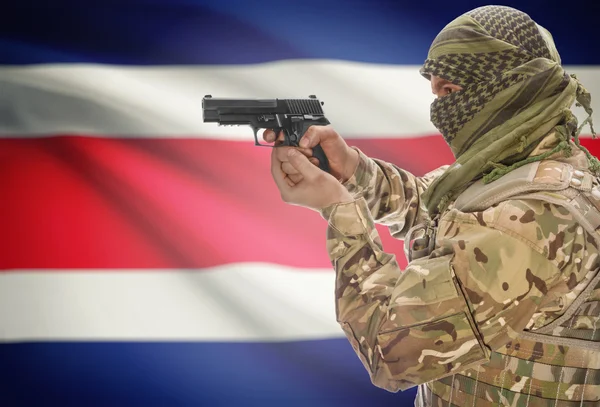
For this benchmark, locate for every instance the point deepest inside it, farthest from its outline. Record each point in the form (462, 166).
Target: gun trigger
(256, 143)
(255, 130)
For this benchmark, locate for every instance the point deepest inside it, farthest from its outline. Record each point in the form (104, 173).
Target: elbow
(386, 376)
(381, 370)
(384, 380)
(411, 356)
(403, 358)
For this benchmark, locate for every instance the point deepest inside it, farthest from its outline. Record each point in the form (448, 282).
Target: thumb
(301, 163)
(314, 135)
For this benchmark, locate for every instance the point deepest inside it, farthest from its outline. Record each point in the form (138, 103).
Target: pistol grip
(299, 128)
(319, 154)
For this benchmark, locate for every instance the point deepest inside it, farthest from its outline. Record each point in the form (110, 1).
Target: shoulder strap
(551, 181)
(536, 176)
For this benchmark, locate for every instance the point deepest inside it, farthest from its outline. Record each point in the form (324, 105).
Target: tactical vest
(557, 365)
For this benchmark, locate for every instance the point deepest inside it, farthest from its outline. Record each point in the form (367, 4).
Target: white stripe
(242, 302)
(361, 100)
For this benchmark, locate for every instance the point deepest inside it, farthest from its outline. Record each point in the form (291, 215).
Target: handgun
(292, 116)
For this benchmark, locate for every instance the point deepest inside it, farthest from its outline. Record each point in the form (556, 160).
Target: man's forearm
(393, 195)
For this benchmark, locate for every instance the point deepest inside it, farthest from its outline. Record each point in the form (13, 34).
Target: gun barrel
(222, 103)
(214, 108)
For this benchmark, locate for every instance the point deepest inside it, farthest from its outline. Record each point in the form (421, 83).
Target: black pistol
(293, 116)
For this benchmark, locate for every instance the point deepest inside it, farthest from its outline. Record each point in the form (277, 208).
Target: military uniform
(502, 311)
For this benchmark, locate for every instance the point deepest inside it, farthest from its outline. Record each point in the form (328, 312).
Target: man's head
(476, 57)
(486, 42)
(501, 90)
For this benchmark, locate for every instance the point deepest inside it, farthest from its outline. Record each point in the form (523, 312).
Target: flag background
(146, 257)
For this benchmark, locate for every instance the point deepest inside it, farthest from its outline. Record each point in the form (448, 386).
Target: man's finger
(268, 135)
(278, 175)
(295, 178)
(289, 169)
(280, 138)
(293, 170)
(282, 152)
(302, 165)
(315, 135)
(290, 181)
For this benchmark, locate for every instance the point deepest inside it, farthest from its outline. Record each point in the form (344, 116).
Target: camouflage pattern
(392, 194)
(455, 323)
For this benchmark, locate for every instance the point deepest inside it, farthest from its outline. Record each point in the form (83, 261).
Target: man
(500, 301)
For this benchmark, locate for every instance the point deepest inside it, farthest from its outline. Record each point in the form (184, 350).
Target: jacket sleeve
(393, 195)
(445, 312)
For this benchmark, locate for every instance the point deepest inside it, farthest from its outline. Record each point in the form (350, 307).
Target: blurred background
(146, 258)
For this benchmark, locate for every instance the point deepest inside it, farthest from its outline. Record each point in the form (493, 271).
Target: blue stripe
(306, 373)
(165, 32)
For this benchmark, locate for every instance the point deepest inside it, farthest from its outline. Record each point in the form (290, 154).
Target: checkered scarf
(514, 92)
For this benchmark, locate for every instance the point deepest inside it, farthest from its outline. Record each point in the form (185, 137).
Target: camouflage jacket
(458, 313)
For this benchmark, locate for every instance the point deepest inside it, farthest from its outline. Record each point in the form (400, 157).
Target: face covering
(514, 93)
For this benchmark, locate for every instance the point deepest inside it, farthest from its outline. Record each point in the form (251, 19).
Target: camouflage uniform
(456, 322)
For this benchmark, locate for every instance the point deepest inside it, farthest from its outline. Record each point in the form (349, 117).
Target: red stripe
(83, 202)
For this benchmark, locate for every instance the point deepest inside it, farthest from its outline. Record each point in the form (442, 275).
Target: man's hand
(342, 159)
(316, 189)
